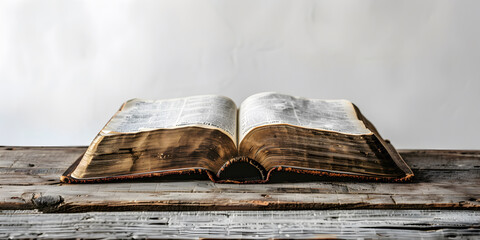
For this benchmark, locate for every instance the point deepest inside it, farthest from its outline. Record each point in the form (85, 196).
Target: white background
(413, 67)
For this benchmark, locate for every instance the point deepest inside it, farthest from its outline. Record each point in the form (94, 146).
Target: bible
(270, 137)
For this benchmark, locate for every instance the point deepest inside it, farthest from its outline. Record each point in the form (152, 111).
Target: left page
(153, 137)
(210, 111)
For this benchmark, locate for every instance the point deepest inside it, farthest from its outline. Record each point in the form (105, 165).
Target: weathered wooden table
(442, 201)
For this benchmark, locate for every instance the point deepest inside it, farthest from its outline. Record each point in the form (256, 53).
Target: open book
(271, 136)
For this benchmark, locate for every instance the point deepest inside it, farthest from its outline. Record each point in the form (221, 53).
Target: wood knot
(48, 201)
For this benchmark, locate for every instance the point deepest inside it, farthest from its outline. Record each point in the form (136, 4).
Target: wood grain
(444, 179)
(341, 224)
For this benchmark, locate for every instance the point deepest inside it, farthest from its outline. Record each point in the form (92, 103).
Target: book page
(209, 111)
(274, 108)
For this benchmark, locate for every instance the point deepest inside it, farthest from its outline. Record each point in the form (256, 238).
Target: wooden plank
(29, 179)
(35, 165)
(343, 224)
(442, 159)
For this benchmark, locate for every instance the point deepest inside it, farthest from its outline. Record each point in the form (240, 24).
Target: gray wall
(413, 67)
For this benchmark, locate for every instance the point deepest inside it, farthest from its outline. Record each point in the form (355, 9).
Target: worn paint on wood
(29, 179)
(343, 224)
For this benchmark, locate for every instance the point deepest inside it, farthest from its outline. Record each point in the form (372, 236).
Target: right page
(311, 136)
